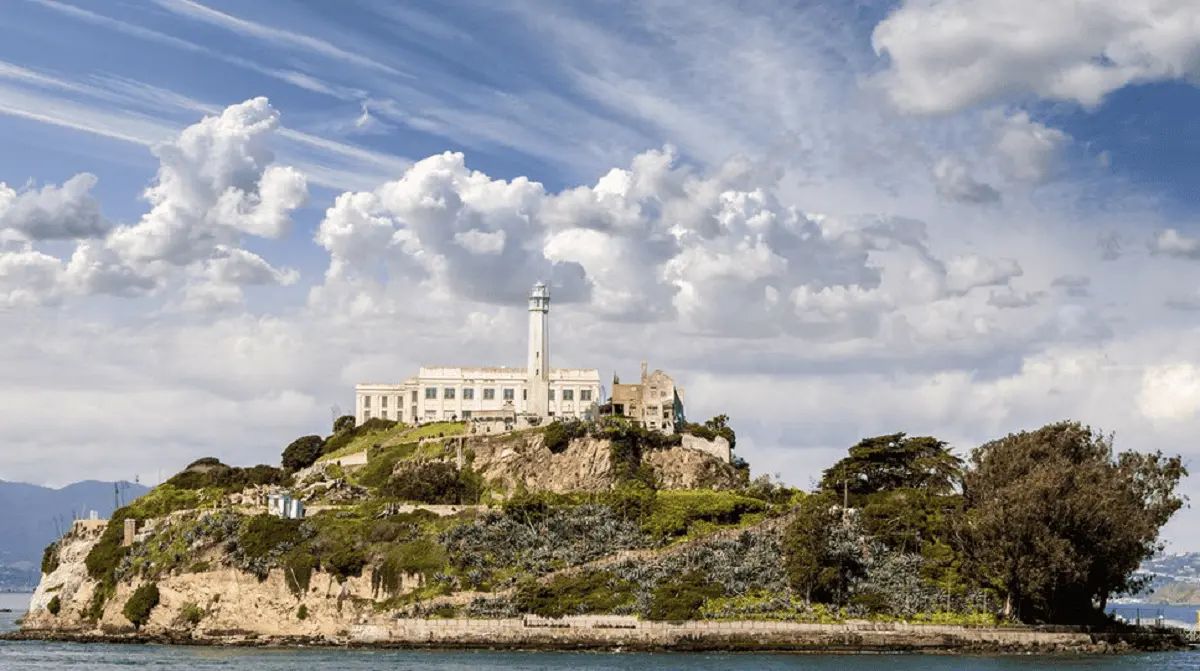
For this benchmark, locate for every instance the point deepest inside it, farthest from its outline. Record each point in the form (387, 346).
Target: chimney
(643, 372)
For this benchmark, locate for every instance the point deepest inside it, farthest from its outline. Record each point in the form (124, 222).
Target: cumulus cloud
(654, 242)
(67, 212)
(1029, 150)
(954, 182)
(1171, 242)
(1170, 392)
(951, 55)
(216, 184)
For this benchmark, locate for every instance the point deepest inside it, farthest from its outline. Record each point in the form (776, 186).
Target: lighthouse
(538, 383)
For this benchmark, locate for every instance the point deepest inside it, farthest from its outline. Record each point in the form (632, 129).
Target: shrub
(54, 606)
(191, 614)
(343, 423)
(302, 452)
(302, 611)
(298, 567)
(226, 478)
(433, 482)
(381, 463)
(558, 434)
(675, 511)
(420, 557)
(140, 604)
(376, 424)
(50, 558)
(594, 592)
(682, 598)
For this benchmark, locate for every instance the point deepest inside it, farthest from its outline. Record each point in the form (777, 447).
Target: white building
(453, 393)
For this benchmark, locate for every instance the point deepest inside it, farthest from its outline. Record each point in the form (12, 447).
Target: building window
(366, 401)
(414, 395)
(508, 394)
(585, 395)
(489, 394)
(430, 392)
(466, 415)
(384, 413)
(568, 394)
(551, 396)
(366, 415)
(468, 394)
(448, 392)
(524, 394)
(383, 401)
(431, 414)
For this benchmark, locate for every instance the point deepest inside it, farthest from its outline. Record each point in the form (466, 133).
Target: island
(603, 534)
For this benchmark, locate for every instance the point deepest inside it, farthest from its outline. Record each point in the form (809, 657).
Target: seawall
(631, 634)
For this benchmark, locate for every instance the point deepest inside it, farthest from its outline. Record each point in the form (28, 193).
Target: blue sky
(828, 220)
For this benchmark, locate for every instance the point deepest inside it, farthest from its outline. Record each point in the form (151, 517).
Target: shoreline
(823, 640)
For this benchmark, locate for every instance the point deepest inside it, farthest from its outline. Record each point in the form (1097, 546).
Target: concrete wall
(718, 447)
(633, 633)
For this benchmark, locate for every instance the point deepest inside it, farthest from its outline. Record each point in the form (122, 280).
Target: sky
(827, 220)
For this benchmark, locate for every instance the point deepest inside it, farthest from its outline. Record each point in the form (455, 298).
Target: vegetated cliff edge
(590, 548)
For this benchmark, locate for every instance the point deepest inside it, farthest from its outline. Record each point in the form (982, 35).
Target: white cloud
(1170, 392)
(69, 212)
(1029, 150)
(954, 182)
(949, 55)
(1171, 242)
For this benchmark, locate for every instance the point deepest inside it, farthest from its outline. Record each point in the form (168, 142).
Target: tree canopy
(1057, 522)
(894, 462)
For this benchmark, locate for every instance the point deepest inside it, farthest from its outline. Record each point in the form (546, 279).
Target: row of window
(489, 394)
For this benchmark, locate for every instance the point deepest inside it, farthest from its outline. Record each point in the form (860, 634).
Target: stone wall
(631, 633)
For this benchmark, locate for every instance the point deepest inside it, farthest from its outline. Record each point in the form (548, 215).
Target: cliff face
(587, 464)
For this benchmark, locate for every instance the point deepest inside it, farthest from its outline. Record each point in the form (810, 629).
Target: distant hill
(1176, 579)
(31, 517)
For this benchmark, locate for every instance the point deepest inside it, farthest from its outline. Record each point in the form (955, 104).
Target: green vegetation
(55, 605)
(711, 429)
(210, 474)
(559, 434)
(343, 423)
(593, 592)
(1057, 521)
(682, 598)
(191, 614)
(140, 604)
(302, 611)
(50, 558)
(435, 483)
(302, 453)
(675, 513)
(358, 438)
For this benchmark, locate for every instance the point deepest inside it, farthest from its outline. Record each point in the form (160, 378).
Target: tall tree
(1059, 523)
(894, 462)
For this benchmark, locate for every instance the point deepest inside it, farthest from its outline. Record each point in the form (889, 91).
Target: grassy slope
(401, 433)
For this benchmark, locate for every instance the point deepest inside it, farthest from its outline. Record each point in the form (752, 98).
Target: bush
(302, 612)
(298, 567)
(419, 557)
(226, 478)
(141, 603)
(595, 592)
(381, 464)
(433, 482)
(376, 424)
(50, 558)
(263, 535)
(54, 606)
(558, 434)
(682, 599)
(343, 423)
(674, 512)
(302, 453)
(191, 614)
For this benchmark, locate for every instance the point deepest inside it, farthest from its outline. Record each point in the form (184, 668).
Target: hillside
(604, 523)
(1176, 579)
(34, 516)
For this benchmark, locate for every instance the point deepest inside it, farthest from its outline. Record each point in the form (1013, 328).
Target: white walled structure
(452, 393)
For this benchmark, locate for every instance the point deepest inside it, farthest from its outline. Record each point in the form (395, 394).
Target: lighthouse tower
(538, 385)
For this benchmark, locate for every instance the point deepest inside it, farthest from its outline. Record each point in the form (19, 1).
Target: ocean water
(31, 656)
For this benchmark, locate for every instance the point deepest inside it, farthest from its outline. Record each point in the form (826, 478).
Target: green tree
(893, 462)
(1058, 523)
(806, 547)
(302, 453)
(143, 600)
(343, 423)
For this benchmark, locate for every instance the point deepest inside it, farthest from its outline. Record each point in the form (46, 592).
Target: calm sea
(51, 657)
